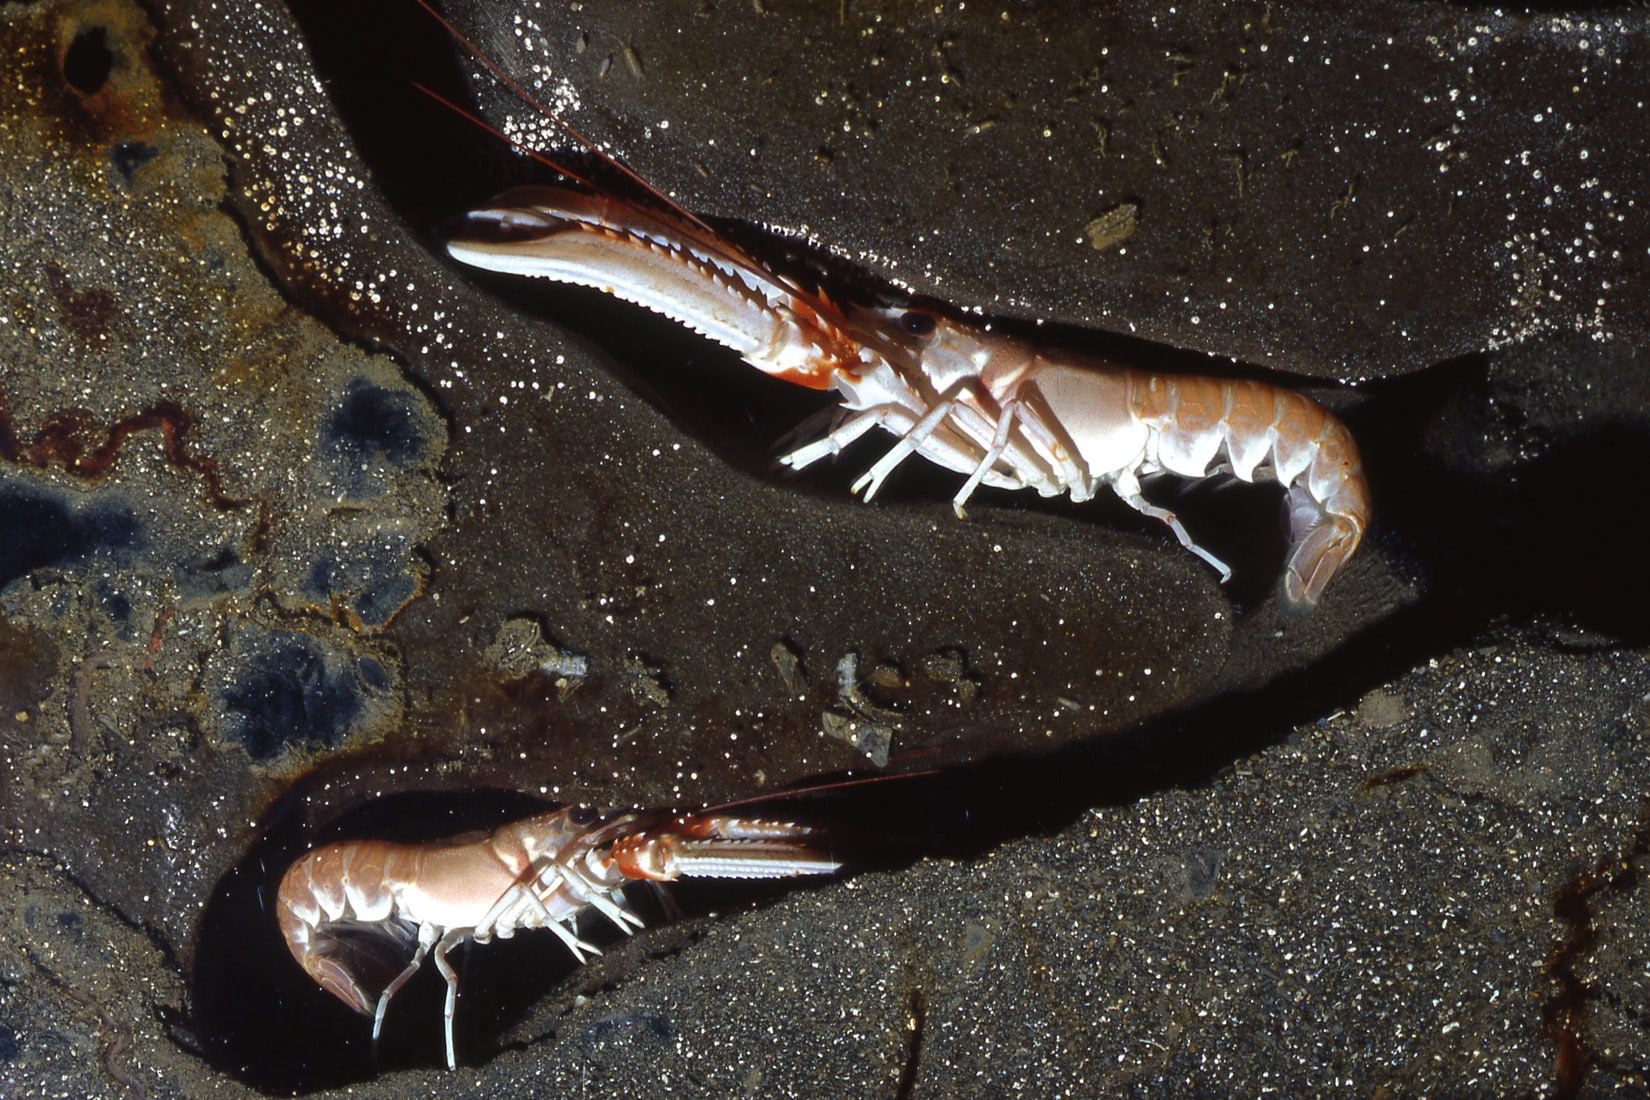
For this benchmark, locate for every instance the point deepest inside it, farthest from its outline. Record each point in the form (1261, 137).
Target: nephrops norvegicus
(1004, 412)
(373, 900)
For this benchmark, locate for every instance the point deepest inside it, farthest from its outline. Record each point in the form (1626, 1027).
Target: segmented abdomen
(340, 883)
(1201, 424)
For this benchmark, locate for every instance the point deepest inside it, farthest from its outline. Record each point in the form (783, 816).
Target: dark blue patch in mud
(373, 674)
(41, 530)
(287, 695)
(116, 603)
(376, 581)
(219, 573)
(373, 424)
(322, 584)
(129, 156)
(8, 1045)
(642, 1025)
(622, 1038)
(385, 596)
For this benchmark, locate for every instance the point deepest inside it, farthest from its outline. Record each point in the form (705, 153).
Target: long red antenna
(797, 792)
(472, 117)
(567, 128)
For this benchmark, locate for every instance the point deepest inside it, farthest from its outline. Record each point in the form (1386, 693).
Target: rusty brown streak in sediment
(64, 437)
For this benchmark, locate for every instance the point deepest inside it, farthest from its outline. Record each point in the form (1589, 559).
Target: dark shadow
(427, 161)
(1503, 520)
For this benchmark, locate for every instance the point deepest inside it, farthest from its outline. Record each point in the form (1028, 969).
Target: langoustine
(1005, 413)
(361, 900)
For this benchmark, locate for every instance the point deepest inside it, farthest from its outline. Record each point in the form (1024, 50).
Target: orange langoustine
(372, 898)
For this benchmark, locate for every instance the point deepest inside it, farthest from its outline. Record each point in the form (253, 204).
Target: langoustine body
(346, 904)
(1003, 412)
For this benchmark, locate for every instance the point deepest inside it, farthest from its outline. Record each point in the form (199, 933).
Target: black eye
(914, 322)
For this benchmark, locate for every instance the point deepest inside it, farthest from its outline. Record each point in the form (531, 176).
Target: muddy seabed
(311, 534)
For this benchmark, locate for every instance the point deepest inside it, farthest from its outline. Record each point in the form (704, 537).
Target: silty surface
(253, 547)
